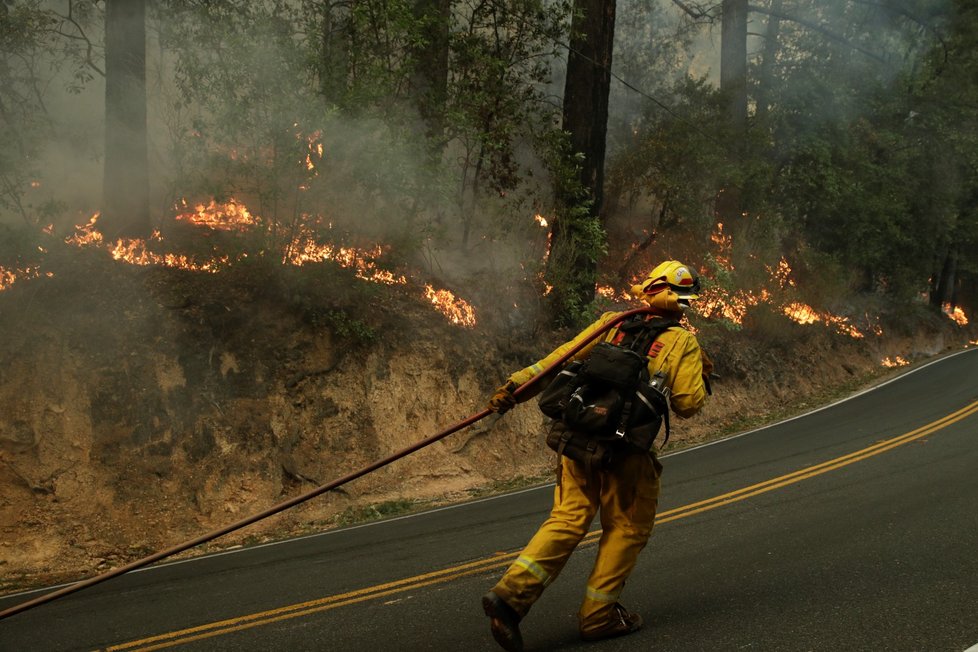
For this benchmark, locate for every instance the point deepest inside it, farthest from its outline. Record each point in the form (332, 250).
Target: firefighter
(626, 494)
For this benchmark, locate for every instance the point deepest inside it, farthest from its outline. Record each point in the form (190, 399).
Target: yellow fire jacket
(680, 357)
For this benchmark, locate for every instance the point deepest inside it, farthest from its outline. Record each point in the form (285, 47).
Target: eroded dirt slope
(140, 407)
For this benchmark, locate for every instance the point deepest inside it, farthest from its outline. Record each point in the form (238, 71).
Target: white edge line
(221, 553)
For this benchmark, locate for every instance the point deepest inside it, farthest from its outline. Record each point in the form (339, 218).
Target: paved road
(851, 528)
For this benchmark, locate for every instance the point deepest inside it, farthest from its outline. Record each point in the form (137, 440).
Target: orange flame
(541, 220)
(898, 361)
(85, 234)
(955, 314)
(805, 314)
(314, 152)
(135, 252)
(612, 294)
(304, 249)
(724, 245)
(234, 216)
(781, 273)
(715, 302)
(229, 216)
(8, 277)
(457, 310)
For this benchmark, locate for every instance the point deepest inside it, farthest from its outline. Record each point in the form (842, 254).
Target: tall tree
(572, 264)
(733, 87)
(733, 62)
(765, 76)
(125, 187)
(431, 67)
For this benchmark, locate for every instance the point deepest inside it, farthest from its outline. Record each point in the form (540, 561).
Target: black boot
(505, 622)
(622, 622)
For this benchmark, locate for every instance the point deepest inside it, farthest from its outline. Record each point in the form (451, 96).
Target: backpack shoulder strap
(649, 332)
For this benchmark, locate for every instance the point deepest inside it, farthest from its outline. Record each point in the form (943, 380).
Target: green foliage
(578, 239)
(675, 157)
(861, 154)
(345, 326)
(387, 509)
(41, 53)
(245, 119)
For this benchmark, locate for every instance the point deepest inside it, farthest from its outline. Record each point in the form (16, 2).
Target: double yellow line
(501, 560)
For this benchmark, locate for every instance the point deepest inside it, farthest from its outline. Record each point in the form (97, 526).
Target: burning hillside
(304, 247)
(149, 393)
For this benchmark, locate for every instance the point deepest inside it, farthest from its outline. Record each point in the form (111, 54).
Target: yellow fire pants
(627, 496)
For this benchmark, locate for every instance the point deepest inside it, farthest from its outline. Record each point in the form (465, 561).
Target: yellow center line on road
(239, 623)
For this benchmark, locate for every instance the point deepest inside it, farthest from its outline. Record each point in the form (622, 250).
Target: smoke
(234, 106)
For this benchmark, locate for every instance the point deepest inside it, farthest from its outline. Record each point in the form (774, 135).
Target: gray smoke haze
(373, 180)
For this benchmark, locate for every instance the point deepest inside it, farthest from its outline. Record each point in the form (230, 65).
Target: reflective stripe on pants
(627, 497)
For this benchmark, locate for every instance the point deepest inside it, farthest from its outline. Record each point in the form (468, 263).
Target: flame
(304, 250)
(35, 184)
(85, 234)
(805, 314)
(7, 278)
(801, 313)
(612, 294)
(724, 245)
(457, 310)
(135, 252)
(234, 216)
(229, 216)
(10, 276)
(541, 220)
(314, 151)
(716, 302)
(781, 273)
(898, 361)
(955, 314)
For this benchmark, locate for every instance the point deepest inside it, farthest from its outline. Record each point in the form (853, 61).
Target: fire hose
(292, 502)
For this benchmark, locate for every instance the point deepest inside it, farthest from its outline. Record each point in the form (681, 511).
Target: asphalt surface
(851, 528)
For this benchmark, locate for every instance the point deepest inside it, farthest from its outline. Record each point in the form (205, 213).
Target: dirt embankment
(142, 407)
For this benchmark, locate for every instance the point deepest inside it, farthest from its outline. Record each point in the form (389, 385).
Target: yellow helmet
(672, 275)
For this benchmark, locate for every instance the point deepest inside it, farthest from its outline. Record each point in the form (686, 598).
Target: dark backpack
(607, 404)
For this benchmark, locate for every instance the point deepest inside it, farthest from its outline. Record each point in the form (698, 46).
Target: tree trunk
(431, 68)
(733, 86)
(572, 266)
(125, 185)
(334, 53)
(765, 78)
(733, 62)
(942, 289)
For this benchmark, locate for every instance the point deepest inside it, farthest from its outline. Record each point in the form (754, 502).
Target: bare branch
(70, 19)
(696, 13)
